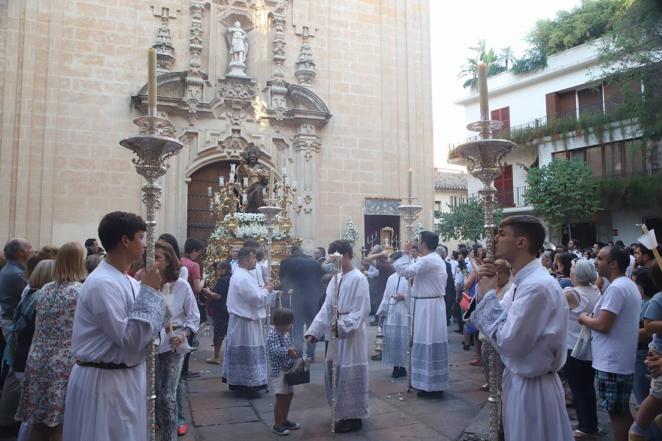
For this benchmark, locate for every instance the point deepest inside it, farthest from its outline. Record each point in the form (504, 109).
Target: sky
(455, 26)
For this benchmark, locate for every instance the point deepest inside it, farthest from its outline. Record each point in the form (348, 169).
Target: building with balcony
(566, 111)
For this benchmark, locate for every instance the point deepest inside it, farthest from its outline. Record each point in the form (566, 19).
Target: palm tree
(470, 68)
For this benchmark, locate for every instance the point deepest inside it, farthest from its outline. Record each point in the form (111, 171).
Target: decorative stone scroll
(381, 206)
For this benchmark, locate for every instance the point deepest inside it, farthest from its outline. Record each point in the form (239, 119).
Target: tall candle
(221, 181)
(245, 182)
(209, 191)
(482, 91)
(409, 186)
(151, 82)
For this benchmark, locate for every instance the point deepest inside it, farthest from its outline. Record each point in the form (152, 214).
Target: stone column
(306, 145)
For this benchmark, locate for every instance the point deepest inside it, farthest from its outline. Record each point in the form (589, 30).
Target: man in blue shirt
(12, 277)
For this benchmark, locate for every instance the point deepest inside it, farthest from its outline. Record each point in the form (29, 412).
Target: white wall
(525, 93)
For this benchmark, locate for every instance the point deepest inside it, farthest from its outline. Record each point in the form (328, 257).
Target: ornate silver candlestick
(484, 161)
(409, 213)
(270, 212)
(152, 150)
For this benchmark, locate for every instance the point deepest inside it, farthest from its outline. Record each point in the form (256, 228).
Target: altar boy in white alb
(528, 328)
(115, 320)
(351, 350)
(429, 354)
(245, 362)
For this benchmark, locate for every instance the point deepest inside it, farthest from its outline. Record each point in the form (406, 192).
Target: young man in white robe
(351, 350)
(429, 352)
(116, 318)
(528, 328)
(245, 362)
(394, 310)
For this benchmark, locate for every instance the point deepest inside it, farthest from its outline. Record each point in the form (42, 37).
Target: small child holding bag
(284, 358)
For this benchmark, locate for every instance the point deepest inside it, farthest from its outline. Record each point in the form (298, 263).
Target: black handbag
(300, 375)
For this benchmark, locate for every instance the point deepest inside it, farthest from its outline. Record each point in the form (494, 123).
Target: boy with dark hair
(283, 359)
(116, 318)
(351, 351)
(528, 328)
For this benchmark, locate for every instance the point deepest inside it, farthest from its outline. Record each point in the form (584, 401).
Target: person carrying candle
(116, 318)
(351, 351)
(528, 328)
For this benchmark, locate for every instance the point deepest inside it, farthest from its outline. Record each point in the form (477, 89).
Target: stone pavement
(217, 414)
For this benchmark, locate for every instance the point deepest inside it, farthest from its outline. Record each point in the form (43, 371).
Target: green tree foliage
(584, 23)
(495, 63)
(464, 221)
(632, 54)
(562, 191)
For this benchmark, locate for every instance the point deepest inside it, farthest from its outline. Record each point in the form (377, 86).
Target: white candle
(233, 167)
(482, 91)
(245, 182)
(284, 171)
(209, 191)
(300, 201)
(294, 184)
(151, 82)
(221, 181)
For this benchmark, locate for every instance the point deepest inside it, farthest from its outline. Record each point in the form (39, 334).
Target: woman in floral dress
(50, 359)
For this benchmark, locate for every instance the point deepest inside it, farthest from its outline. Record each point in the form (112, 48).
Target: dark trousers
(580, 376)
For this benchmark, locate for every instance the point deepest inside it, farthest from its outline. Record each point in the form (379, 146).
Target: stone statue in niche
(238, 45)
(257, 177)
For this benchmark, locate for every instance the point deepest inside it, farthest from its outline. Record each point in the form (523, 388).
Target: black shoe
(466, 347)
(350, 425)
(431, 394)
(376, 357)
(396, 372)
(191, 374)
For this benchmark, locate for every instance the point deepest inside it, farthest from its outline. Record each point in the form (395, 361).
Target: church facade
(334, 94)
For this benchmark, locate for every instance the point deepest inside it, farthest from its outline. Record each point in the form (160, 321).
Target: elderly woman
(581, 297)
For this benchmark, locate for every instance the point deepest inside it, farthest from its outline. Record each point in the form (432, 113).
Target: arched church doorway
(200, 221)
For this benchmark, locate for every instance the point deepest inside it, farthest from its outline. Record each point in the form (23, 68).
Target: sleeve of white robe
(255, 296)
(132, 332)
(406, 268)
(191, 309)
(359, 309)
(513, 331)
(322, 322)
(388, 292)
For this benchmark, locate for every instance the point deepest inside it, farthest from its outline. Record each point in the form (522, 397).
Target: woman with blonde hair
(50, 360)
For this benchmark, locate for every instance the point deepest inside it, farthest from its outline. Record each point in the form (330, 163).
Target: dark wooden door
(504, 186)
(200, 222)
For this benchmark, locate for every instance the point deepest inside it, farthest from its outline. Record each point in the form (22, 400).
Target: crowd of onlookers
(39, 289)
(38, 296)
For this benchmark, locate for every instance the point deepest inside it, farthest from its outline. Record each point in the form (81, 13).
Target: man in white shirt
(615, 325)
(528, 328)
